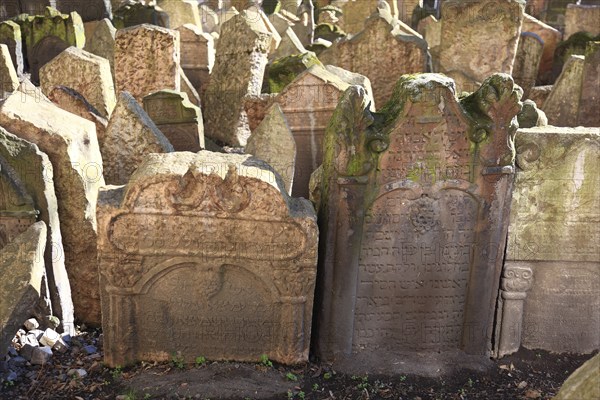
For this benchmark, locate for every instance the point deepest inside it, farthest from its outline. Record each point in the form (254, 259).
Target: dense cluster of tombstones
(366, 180)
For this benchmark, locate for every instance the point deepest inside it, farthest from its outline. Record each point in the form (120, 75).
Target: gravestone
(9, 81)
(35, 173)
(72, 147)
(147, 59)
(551, 38)
(527, 61)
(584, 383)
(379, 52)
(479, 38)
(206, 254)
(238, 72)
(589, 103)
(84, 72)
(554, 233)
(272, 141)
(130, 135)
(406, 9)
(90, 10)
(208, 18)
(177, 118)
(197, 55)
(582, 18)
(45, 36)
(188, 89)
(22, 270)
(181, 12)
(354, 14)
(72, 101)
(562, 105)
(413, 210)
(133, 14)
(10, 35)
(100, 40)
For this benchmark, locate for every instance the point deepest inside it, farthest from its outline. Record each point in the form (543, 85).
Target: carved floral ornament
(517, 279)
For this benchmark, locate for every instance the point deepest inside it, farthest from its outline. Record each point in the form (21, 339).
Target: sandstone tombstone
(238, 71)
(354, 14)
(181, 258)
(479, 38)
(84, 72)
(554, 233)
(384, 53)
(551, 38)
(177, 118)
(72, 147)
(272, 141)
(582, 18)
(413, 210)
(527, 61)
(130, 135)
(100, 40)
(197, 55)
(147, 59)
(181, 12)
(9, 81)
(562, 105)
(10, 35)
(35, 172)
(589, 103)
(72, 101)
(22, 269)
(584, 383)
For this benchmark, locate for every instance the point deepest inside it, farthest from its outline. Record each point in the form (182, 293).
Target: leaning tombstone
(147, 59)
(9, 81)
(469, 55)
(584, 383)
(130, 135)
(413, 209)
(72, 147)
(554, 240)
(10, 35)
(84, 72)
(551, 38)
(527, 61)
(22, 269)
(563, 103)
(177, 118)
(180, 258)
(35, 172)
(100, 40)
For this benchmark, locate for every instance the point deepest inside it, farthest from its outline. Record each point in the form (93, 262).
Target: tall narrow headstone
(413, 215)
(554, 233)
(72, 147)
(9, 81)
(147, 59)
(589, 104)
(206, 254)
(551, 38)
(562, 105)
(239, 67)
(527, 61)
(10, 35)
(100, 40)
(479, 38)
(197, 55)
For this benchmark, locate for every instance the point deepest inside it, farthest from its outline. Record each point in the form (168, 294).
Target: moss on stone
(329, 32)
(284, 70)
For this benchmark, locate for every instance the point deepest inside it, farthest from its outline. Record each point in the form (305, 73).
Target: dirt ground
(524, 375)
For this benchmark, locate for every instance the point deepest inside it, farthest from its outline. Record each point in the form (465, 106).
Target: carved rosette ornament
(517, 279)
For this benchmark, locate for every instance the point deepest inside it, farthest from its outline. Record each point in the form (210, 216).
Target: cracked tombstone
(554, 234)
(179, 258)
(413, 207)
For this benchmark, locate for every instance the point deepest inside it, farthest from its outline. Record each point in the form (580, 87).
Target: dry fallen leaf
(533, 394)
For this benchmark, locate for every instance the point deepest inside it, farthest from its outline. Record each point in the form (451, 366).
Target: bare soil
(524, 375)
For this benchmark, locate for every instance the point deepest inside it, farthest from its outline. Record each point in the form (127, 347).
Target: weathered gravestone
(238, 71)
(10, 35)
(584, 383)
(45, 36)
(554, 234)
(589, 103)
(527, 61)
(100, 40)
(479, 38)
(147, 59)
(197, 55)
(72, 147)
(413, 216)
(130, 135)
(181, 12)
(177, 118)
(582, 18)
(379, 52)
(9, 81)
(206, 254)
(22, 269)
(563, 102)
(551, 38)
(34, 170)
(133, 14)
(84, 72)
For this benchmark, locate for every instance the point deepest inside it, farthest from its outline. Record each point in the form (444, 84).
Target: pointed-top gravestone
(413, 210)
(130, 135)
(238, 72)
(274, 143)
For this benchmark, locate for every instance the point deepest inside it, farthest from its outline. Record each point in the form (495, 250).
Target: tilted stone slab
(180, 257)
(181, 12)
(589, 103)
(72, 147)
(22, 269)
(563, 103)
(100, 40)
(584, 383)
(10, 35)
(413, 208)
(9, 82)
